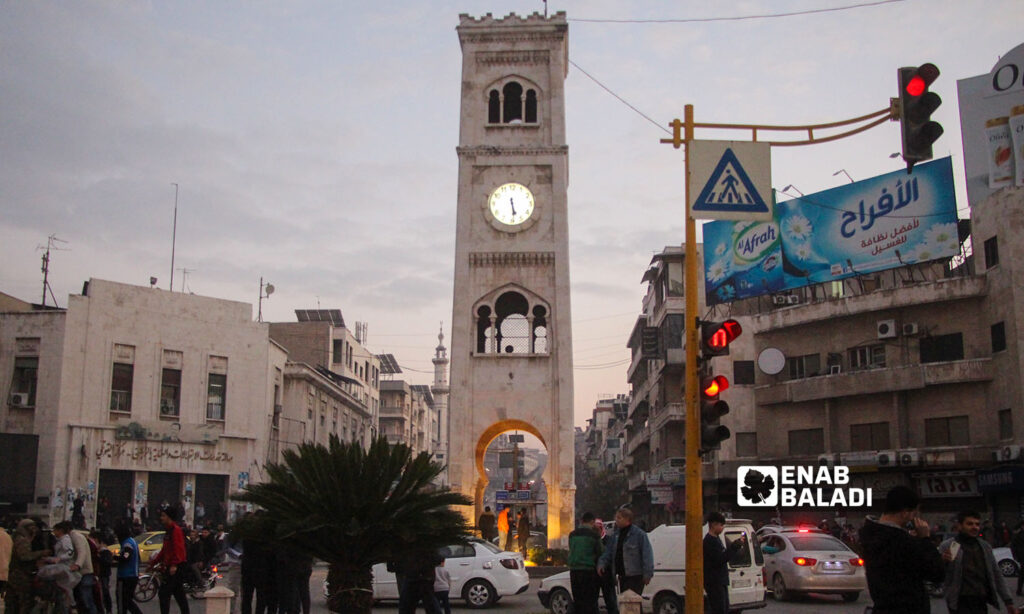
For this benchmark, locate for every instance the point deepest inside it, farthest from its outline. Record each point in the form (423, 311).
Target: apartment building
(133, 397)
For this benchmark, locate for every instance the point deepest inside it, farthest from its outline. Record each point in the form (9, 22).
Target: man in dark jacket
(584, 551)
(898, 560)
(488, 525)
(716, 565)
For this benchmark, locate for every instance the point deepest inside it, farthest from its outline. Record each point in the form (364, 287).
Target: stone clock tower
(511, 365)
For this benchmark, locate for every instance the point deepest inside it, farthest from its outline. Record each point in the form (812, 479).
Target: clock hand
(511, 201)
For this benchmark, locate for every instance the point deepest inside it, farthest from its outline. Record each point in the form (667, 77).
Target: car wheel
(779, 588)
(851, 596)
(668, 604)
(478, 594)
(561, 601)
(1008, 568)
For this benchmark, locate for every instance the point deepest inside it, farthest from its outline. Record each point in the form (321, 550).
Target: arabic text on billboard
(872, 225)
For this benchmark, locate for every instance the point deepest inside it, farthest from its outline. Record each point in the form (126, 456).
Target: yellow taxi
(149, 543)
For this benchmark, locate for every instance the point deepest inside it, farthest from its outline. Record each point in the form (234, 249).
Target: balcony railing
(870, 381)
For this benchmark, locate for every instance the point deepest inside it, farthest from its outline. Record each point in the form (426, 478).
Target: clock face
(511, 204)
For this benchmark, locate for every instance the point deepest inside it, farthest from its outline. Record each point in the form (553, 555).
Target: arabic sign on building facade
(872, 225)
(992, 126)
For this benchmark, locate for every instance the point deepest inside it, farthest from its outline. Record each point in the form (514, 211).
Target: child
(442, 582)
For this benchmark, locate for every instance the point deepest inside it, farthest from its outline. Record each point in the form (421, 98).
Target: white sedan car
(481, 574)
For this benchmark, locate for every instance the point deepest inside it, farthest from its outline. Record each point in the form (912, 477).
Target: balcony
(668, 414)
(943, 290)
(871, 381)
(639, 439)
(637, 481)
(668, 471)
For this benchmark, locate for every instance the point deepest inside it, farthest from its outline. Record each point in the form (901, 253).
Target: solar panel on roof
(321, 315)
(388, 364)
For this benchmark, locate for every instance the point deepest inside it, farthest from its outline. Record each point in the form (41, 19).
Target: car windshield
(490, 546)
(817, 542)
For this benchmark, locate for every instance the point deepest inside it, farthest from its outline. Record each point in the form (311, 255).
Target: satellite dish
(270, 289)
(771, 361)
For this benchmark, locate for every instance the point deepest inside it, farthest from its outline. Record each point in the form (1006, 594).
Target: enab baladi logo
(798, 486)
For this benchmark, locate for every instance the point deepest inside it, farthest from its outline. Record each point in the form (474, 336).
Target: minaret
(440, 391)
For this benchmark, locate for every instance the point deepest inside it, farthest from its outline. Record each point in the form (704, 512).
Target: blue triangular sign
(729, 189)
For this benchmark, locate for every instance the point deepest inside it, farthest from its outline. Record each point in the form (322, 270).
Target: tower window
(540, 330)
(513, 327)
(494, 107)
(513, 102)
(531, 107)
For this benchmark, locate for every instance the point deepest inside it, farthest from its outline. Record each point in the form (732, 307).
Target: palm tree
(354, 508)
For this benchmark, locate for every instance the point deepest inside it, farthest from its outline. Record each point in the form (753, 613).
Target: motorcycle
(149, 583)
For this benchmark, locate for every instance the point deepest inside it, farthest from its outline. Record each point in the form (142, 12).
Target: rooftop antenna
(50, 246)
(545, 9)
(269, 289)
(174, 235)
(184, 277)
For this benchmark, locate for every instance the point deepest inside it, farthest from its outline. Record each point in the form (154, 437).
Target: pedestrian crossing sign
(732, 180)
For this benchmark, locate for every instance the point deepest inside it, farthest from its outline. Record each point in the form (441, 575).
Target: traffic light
(715, 337)
(712, 431)
(916, 105)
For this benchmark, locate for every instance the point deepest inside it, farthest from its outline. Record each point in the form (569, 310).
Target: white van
(666, 590)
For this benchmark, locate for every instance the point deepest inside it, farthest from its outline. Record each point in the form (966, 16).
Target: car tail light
(510, 563)
(213, 569)
(764, 576)
(857, 562)
(803, 530)
(804, 562)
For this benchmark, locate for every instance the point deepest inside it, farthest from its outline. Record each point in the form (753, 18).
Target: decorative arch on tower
(512, 100)
(512, 320)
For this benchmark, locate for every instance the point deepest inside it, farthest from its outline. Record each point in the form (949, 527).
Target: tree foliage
(354, 507)
(601, 492)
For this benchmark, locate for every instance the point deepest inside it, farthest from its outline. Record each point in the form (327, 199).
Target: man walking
(487, 524)
(523, 531)
(629, 556)
(716, 565)
(171, 559)
(898, 561)
(503, 532)
(584, 553)
(972, 579)
(84, 598)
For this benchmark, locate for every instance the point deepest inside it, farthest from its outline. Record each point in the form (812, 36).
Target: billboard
(992, 126)
(872, 225)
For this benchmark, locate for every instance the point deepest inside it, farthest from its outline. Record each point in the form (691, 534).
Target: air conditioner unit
(887, 458)
(19, 399)
(886, 329)
(908, 458)
(793, 299)
(910, 328)
(827, 460)
(1009, 453)
(780, 299)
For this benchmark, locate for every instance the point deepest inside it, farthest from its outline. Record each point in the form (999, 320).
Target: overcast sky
(314, 142)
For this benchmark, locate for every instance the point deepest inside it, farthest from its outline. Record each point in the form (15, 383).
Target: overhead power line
(741, 17)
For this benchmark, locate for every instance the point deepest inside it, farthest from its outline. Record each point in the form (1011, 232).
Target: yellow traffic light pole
(682, 136)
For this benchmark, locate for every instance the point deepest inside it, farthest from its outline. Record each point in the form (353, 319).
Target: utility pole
(50, 241)
(174, 235)
(683, 135)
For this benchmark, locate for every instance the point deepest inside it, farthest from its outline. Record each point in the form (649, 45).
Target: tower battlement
(512, 20)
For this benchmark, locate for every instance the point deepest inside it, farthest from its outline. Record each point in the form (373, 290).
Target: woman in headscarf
(23, 565)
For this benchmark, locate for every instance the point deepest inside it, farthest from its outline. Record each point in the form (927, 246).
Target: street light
(843, 171)
(789, 187)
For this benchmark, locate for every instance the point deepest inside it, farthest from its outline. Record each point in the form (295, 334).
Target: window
(951, 431)
(743, 372)
(494, 107)
(803, 442)
(998, 337)
(867, 357)
(513, 94)
(337, 351)
(26, 371)
(1005, 424)
(170, 393)
(870, 436)
(803, 366)
(942, 348)
(991, 252)
(746, 444)
(675, 279)
(512, 327)
(512, 105)
(216, 396)
(121, 387)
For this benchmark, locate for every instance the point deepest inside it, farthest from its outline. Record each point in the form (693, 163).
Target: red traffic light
(917, 86)
(712, 387)
(717, 336)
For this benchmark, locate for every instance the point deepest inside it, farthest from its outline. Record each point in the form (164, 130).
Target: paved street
(527, 603)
